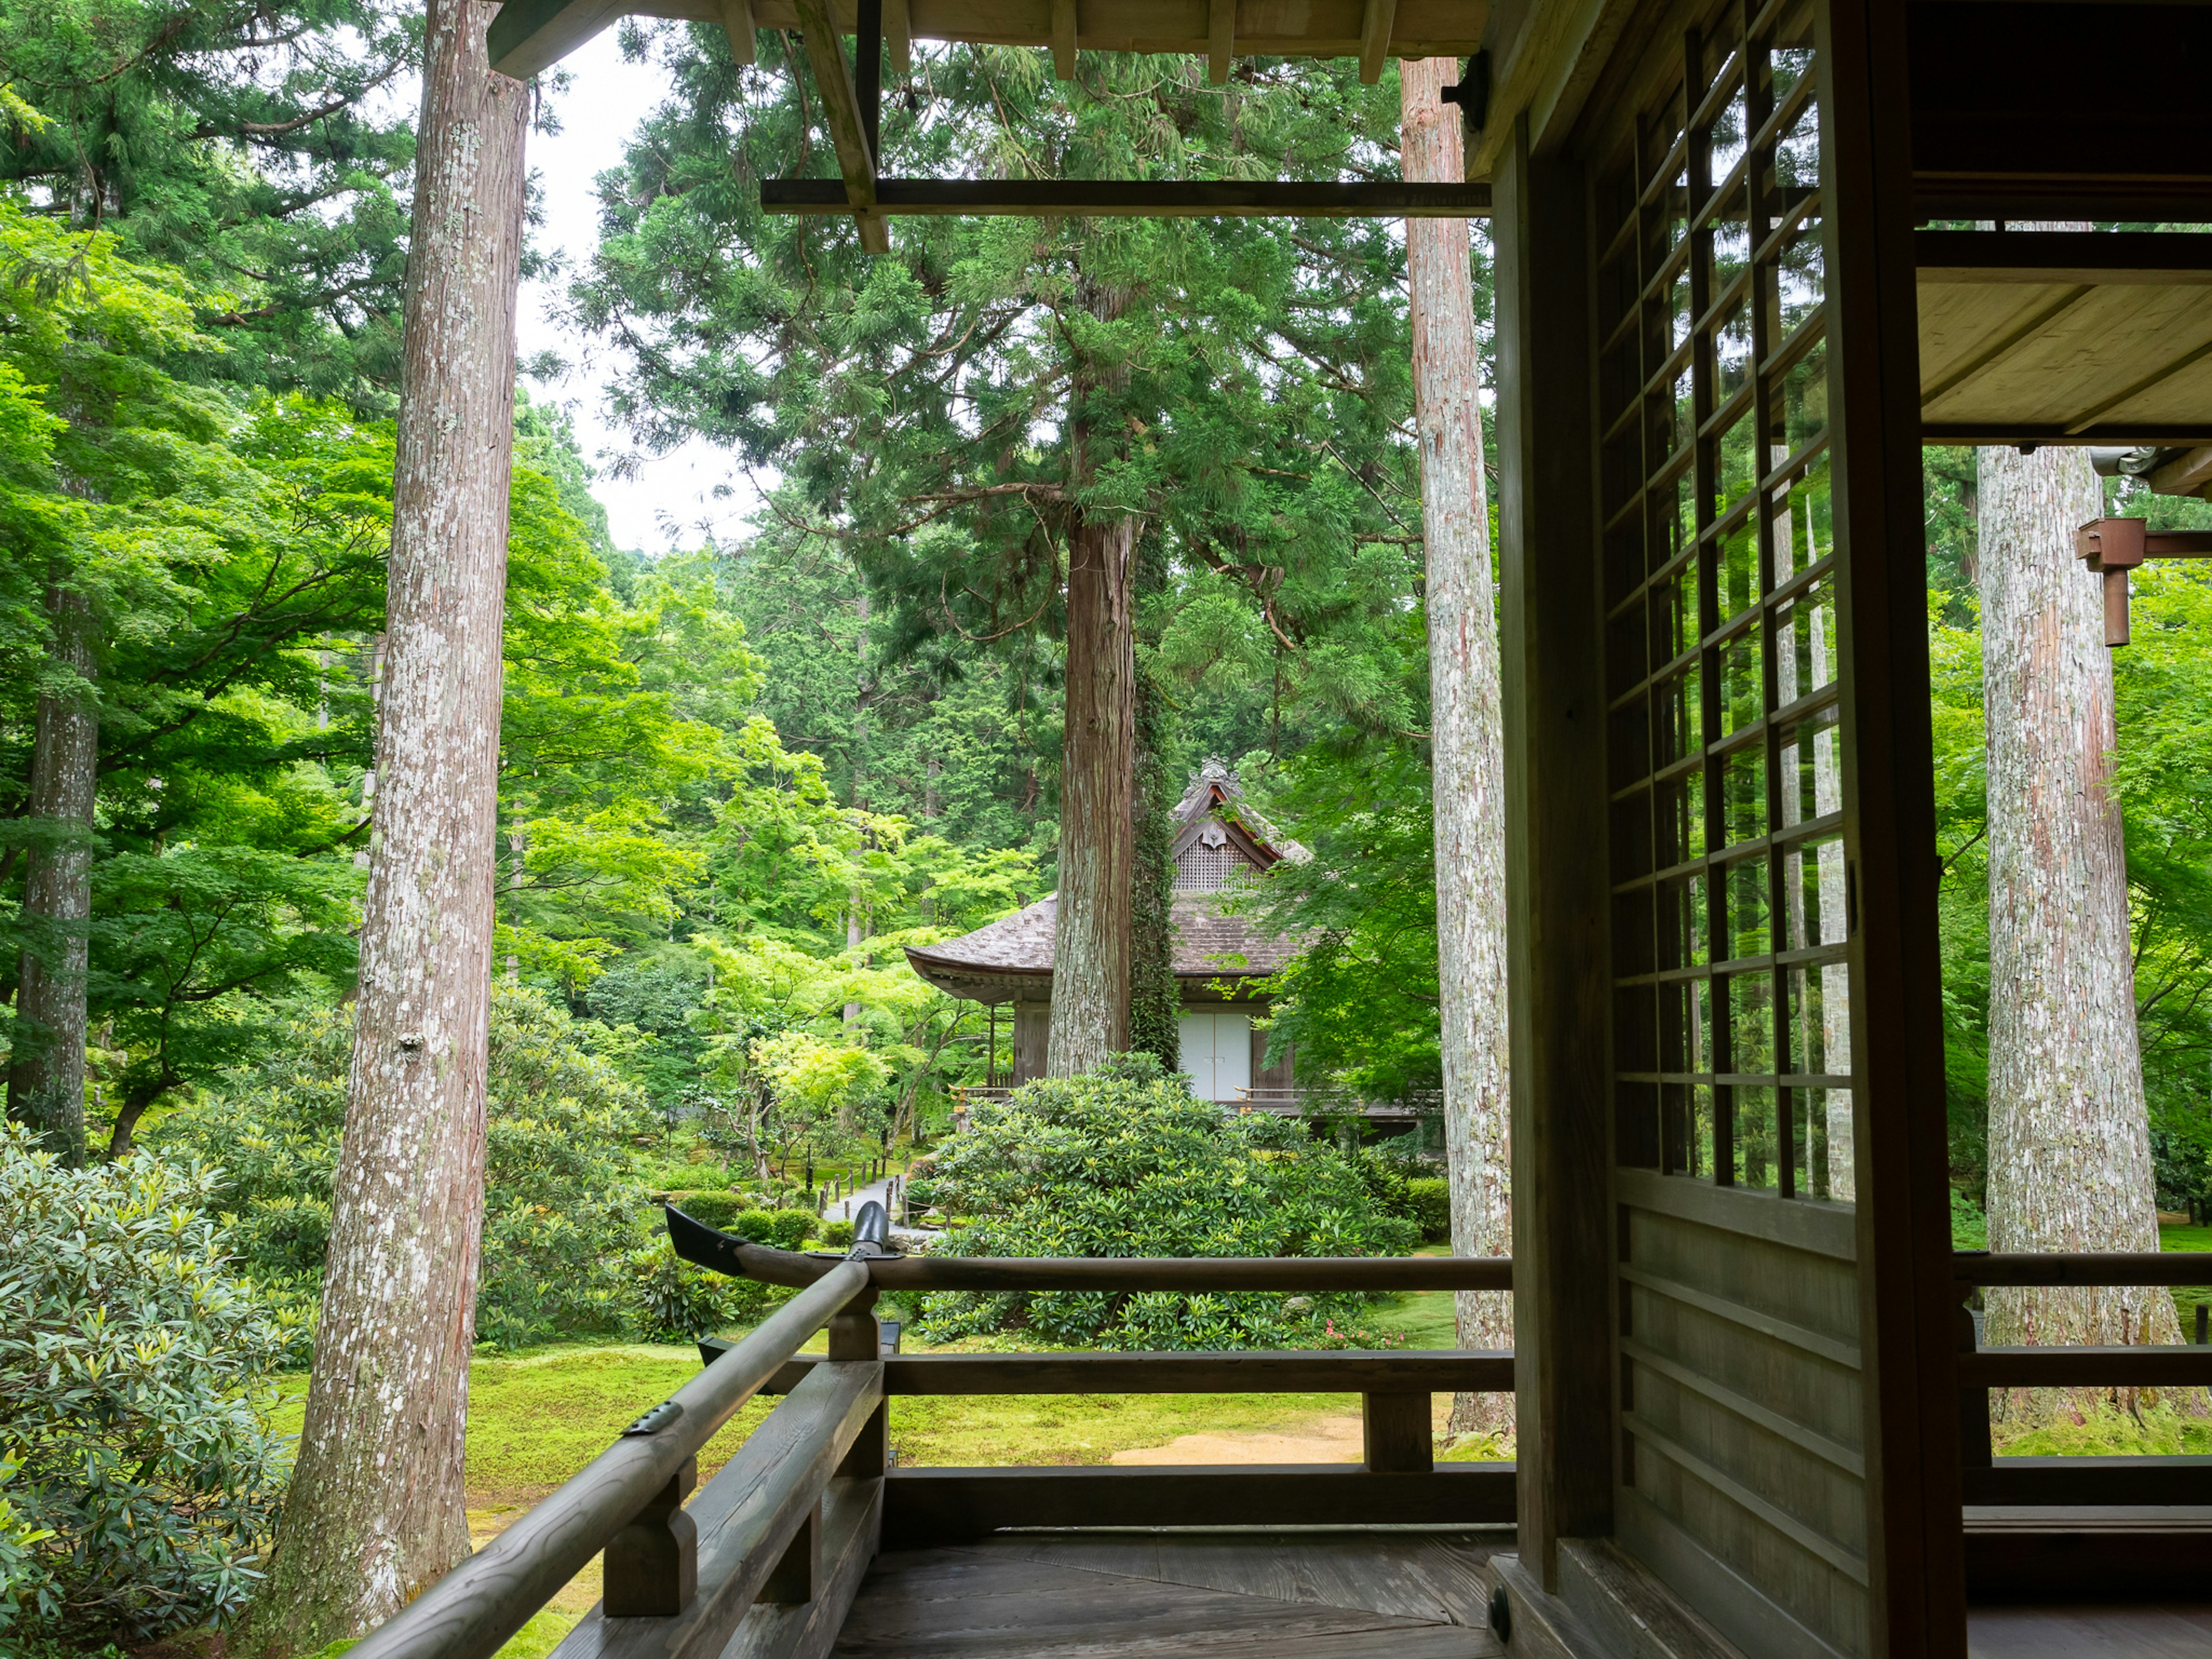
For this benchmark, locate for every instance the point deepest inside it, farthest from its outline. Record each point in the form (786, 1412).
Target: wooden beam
(2164, 258)
(2162, 434)
(737, 23)
(529, 36)
(840, 114)
(1063, 39)
(1112, 198)
(2186, 475)
(2090, 1480)
(2094, 1268)
(1220, 39)
(1374, 23)
(940, 1506)
(898, 30)
(1406, 1371)
(2147, 1366)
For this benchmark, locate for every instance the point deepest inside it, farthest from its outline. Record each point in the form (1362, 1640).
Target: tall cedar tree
(376, 1512)
(246, 144)
(1466, 720)
(2069, 1134)
(996, 415)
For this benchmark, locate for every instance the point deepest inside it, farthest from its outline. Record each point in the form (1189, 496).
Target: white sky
(678, 499)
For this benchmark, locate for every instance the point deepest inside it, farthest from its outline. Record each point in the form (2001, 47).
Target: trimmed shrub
(136, 1380)
(784, 1229)
(715, 1210)
(837, 1235)
(1124, 1162)
(671, 1300)
(1428, 1201)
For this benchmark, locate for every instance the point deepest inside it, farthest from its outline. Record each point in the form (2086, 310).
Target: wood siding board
(2067, 364)
(1823, 1228)
(1557, 897)
(1810, 1539)
(1808, 1292)
(1916, 1582)
(1823, 1446)
(1811, 1390)
(1741, 1610)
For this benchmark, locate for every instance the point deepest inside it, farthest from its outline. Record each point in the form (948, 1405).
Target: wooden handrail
(2161, 1366)
(2168, 1267)
(473, 1611)
(697, 1241)
(1438, 1370)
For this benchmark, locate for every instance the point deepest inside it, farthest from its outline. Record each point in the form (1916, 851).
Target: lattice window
(1732, 999)
(1203, 869)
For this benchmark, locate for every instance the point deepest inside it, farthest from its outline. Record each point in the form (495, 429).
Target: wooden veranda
(1739, 284)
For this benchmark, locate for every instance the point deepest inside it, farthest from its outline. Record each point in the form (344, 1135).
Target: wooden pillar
(1907, 1301)
(1556, 864)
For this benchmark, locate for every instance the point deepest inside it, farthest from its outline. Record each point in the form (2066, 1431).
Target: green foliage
(254, 157)
(136, 1381)
(1126, 1163)
(836, 1235)
(715, 1210)
(562, 1202)
(1428, 1201)
(785, 1229)
(670, 1299)
(1360, 1002)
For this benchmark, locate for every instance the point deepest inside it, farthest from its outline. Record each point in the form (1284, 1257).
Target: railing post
(797, 1577)
(855, 1333)
(652, 1564)
(1395, 1428)
(1973, 1401)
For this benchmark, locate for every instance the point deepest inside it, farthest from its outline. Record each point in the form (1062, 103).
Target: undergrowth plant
(1124, 1162)
(136, 1378)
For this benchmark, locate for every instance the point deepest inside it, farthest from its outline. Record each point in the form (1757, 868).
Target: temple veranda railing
(783, 1533)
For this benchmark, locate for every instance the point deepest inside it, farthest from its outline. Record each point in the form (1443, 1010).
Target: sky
(678, 499)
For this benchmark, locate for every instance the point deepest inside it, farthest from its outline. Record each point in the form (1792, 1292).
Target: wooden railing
(2088, 1481)
(778, 1541)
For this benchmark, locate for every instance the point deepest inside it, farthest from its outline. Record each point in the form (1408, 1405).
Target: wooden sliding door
(1761, 1100)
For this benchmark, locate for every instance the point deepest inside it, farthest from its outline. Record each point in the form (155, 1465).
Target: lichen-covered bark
(1468, 744)
(2069, 1137)
(374, 1511)
(1090, 934)
(45, 1077)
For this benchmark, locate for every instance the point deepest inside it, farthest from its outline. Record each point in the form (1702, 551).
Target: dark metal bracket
(1472, 94)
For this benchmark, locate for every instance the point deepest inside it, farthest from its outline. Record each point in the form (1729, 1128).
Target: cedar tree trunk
(45, 1078)
(374, 1512)
(1090, 945)
(1468, 743)
(2069, 1136)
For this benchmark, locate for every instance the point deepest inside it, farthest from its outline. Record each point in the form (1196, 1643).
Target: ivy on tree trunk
(46, 1079)
(1468, 737)
(376, 1511)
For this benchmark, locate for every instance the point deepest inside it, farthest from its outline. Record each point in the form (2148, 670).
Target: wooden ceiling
(531, 34)
(2065, 336)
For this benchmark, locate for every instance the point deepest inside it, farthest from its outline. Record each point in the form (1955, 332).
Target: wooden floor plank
(1001, 1598)
(1436, 1578)
(2173, 1632)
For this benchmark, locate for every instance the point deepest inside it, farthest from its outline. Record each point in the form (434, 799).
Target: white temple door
(1216, 1052)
